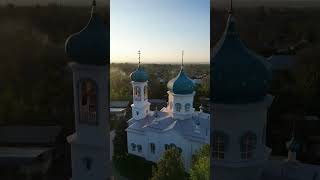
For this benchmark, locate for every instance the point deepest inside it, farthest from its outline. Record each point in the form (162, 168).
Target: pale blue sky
(161, 29)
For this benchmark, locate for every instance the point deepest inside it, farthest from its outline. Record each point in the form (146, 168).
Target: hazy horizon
(168, 62)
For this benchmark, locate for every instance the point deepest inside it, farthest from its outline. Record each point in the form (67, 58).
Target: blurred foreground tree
(170, 166)
(120, 150)
(200, 169)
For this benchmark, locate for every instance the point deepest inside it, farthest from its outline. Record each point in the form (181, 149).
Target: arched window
(264, 134)
(169, 146)
(145, 92)
(219, 145)
(133, 146)
(178, 107)
(248, 145)
(137, 93)
(88, 102)
(152, 148)
(139, 148)
(87, 162)
(187, 107)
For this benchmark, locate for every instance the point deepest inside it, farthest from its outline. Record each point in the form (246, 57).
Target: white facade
(151, 132)
(185, 101)
(90, 142)
(232, 123)
(140, 106)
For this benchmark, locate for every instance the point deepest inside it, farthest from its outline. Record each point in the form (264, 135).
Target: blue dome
(90, 45)
(181, 84)
(239, 75)
(139, 75)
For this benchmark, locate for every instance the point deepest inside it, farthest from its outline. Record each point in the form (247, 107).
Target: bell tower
(139, 80)
(240, 101)
(181, 92)
(89, 49)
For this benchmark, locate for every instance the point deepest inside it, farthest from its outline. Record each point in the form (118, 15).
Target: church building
(177, 125)
(235, 129)
(240, 101)
(90, 144)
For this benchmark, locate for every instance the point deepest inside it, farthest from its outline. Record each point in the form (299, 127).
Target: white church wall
(138, 139)
(235, 121)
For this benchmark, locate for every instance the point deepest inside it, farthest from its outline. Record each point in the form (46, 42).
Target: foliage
(120, 150)
(134, 167)
(170, 166)
(120, 84)
(200, 169)
(121, 87)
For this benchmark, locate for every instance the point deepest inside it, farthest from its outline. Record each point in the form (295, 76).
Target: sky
(160, 29)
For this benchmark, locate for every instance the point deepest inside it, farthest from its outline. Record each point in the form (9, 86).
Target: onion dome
(239, 75)
(181, 84)
(90, 45)
(139, 75)
(293, 145)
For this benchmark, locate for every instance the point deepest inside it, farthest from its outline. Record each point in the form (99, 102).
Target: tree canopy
(201, 164)
(170, 166)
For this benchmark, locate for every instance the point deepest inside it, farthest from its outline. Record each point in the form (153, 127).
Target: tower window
(152, 148)
(248, 145)
(139, 148)
(137, 93)
(187, 107)
(87, 162)
(133, 146)
(219, 146)
(145, 92)
(178, 107)
(88, 102)
(263, 140)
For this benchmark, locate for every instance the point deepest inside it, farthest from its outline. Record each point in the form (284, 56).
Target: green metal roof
(181, 84)
(90, 45)
(238, 74)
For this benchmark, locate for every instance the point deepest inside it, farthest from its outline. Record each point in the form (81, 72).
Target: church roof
(181, 84)
(239, 75)
(90, 45)
(164, 122)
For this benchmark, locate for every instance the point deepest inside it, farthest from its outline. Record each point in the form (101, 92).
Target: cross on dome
(139, 75)
(139, 52)
(182, 59)
(90, 45)
(231, 7)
